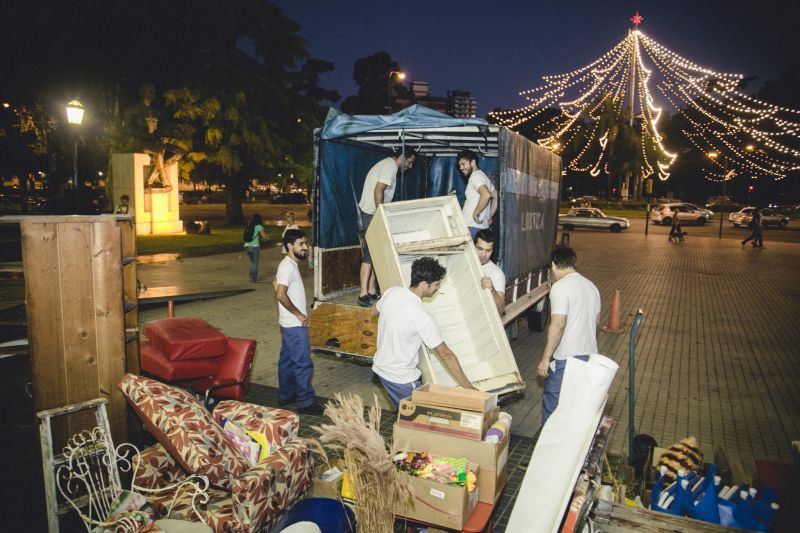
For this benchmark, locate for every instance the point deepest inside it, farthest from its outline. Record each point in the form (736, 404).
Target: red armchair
(191, 351)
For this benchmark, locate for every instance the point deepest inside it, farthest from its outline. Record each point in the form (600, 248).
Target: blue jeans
(399, 391)
(295, 368)
(253, 252)
(552, 386)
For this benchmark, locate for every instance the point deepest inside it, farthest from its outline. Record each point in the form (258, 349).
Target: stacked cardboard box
(451, 421)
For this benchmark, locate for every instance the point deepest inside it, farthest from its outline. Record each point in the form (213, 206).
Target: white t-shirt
(289, 275)
(476, 181)
(403, 326)
(384, 171)
(578, 299)
(494, 273)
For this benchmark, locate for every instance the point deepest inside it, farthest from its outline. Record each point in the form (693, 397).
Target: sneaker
(255, 281)
(312, 409)
(284, 403)
(365, 301)
(374, 297)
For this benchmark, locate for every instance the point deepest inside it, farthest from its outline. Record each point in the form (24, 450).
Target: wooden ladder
(51, 462)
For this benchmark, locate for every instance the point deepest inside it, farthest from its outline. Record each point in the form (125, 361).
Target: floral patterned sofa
(241, 498)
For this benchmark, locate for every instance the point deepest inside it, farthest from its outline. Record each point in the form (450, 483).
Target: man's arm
(283, 298)
(495, 203)
(554, 334)
(446, 356)
(377, 194)
(483, 190)
(498, 297)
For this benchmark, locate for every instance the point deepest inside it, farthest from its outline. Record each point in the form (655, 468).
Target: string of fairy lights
(738, 131)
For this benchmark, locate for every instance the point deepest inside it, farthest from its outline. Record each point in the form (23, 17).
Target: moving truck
(526, 175)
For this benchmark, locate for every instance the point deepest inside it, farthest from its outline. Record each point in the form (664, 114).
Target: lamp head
(75, 112)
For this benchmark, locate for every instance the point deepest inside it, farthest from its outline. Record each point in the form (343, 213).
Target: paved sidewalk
(718, 354)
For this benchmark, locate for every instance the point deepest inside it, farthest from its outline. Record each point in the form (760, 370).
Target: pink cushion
(186, 429)
(186, 338)
(154, 363)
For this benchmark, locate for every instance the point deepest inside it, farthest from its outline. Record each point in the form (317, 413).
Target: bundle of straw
(375, 481)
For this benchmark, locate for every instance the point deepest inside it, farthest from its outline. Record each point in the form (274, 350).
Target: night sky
(495, 49)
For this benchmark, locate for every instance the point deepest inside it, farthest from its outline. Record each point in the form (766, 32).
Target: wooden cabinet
(80, 292)
(402, 232)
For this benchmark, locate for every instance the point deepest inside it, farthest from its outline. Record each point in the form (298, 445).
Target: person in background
(291, 223)
(254, 230)
(493, 278)
(403, 326)
(676, 231)
(756, 230)
(379, 187)
(481, 203)
(574, 317)
(295, 368)
(123, 207)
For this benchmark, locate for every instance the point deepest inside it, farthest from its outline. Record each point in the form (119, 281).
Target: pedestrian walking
(574, 317)
(403, 326)
(295, 368)
(676, 231)
(253, 234)
(756, 230)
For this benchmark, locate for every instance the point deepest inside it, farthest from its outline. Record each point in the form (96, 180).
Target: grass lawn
(221, 239)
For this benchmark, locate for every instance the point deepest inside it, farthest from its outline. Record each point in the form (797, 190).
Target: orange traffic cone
(613, 318)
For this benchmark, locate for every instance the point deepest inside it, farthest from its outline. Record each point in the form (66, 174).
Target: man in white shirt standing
(295, 368)
(403, 326)
(574, 317)
(379, 187)
(481, 203)
(493, 277)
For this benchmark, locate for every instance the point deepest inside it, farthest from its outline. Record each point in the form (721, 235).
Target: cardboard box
(438, 504)
(328, 479)
(492, 458)
(457, 422)
(457, 398)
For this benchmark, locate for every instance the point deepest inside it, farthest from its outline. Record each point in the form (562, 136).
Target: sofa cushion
(186, 338)
(234, 366)
(153, 362)
(185, 428)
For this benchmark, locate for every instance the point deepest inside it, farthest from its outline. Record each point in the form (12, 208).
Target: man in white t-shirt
(493, 277)
(481, 203)
(379, 187)
(295, 368)
(574, 317)
(404, 325)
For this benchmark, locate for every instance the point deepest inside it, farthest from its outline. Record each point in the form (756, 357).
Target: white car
(769, 217)
(687, 213)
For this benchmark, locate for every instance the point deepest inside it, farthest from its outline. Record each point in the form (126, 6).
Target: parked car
(593, 218)
(584, 201)
(193, 197)
(289, 198)
(686, 212)
(769, 217)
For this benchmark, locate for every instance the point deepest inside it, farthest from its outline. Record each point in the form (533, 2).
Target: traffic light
(750, 188)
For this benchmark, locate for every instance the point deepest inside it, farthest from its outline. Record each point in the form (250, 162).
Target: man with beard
(481, 196)
(493, 278)
(295, 368)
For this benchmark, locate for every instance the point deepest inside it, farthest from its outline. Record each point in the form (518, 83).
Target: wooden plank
(339, 269)
(354, 328)
(109, 322)
(624, 519)
(43, 310)
(432, 244)
(79, 331)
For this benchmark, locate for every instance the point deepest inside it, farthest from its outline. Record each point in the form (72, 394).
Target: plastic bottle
(499, 429)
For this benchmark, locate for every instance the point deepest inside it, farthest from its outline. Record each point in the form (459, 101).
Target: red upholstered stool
(153, 362)
(180, 339)
(233, 378)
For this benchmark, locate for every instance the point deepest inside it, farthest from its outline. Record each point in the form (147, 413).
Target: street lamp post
(400, 76)
(75, 117)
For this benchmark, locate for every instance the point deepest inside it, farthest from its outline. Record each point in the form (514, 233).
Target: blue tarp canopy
(412, 117)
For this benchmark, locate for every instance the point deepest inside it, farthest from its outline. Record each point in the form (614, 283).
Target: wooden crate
(80, 290)
(402, 232)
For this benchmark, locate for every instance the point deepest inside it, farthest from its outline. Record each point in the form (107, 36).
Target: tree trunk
(233, 203)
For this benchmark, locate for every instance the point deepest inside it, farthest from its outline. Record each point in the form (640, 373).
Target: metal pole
(647, 218)
(75, 171)
(724, 183)
(637, 321)
(389, 93)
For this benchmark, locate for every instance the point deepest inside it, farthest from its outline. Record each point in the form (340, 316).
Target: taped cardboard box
(328, 479)
(492, 458)
(437, 503)
(456, 422)
(454, 397)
